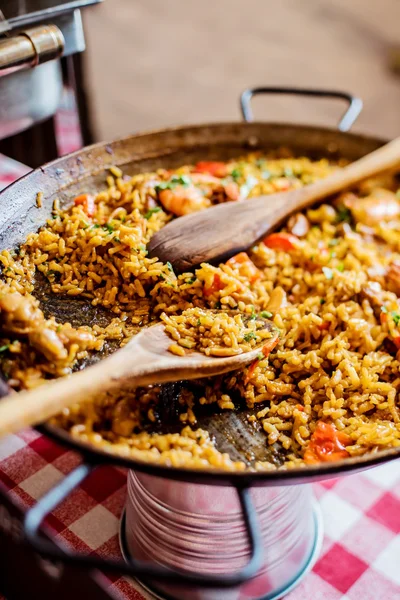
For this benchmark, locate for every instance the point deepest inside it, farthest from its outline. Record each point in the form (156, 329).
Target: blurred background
(155, 63)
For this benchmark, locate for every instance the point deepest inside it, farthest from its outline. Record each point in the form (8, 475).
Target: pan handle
(346, 122)
(47, 548)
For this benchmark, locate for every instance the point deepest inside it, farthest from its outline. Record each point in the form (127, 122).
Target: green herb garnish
(260, 356)
(249, 336)
(396, 317)
(152, 211)
(58, 329)
(332, 254)
(327, 272)
(198, 322)
(172, 183)
(322, 301)
(191, 280)
(236, 174)
(4, 348)
(265, 314)
(340, 267)
(108, 227)
(343, 215)
(170, 267)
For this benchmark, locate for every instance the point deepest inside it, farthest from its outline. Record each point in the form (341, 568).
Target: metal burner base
(276, 595)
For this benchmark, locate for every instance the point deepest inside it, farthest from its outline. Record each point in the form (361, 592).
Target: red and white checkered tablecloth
(360, 557)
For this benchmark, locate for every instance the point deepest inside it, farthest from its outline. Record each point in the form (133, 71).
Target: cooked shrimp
(380, 205)
(47, 342)
(183, 200)
(18, 314)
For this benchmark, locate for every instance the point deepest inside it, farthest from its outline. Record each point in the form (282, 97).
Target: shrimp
(183, 200)
(380, 205)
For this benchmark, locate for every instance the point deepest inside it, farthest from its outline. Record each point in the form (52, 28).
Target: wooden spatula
(144, 360)
(218, 233)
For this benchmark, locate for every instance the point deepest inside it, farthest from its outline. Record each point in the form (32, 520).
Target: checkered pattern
(361, 551)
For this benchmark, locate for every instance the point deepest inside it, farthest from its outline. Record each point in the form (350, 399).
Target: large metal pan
(85, 170)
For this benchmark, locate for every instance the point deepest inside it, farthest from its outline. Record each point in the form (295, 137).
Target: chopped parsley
(322, 301)
(396, 317)
(327, 272)
(260, 356)
(172, 183)
(332, 254)
(191, 280)
(170, 267)
(265, 314)
(198, 322)
(343, 215)
(4, 348)
(152, 211)
(116, 239)
(236, 174)
(108, 227)
(58, 329)
(340, 267)
(217, 305)
(249, 336)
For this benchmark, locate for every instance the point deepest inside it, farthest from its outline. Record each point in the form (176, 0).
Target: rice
(332, 289)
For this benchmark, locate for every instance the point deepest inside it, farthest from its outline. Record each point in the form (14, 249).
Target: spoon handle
(34, 406)
(382, 159)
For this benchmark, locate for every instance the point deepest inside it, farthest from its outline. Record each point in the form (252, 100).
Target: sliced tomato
(217, 169)
(281, 241)
(269, 346)
(216, 286)
(245, 266)
(300, 407)
(250, 371)
(327, 444)
(383, 317)
(87, 202)
(396, 342)
(324, 326)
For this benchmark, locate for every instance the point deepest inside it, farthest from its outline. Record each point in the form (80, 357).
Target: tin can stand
(198, 527)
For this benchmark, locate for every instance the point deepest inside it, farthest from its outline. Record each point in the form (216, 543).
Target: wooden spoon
(215, 234)
(144, 360)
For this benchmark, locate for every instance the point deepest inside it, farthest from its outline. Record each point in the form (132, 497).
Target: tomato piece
(250, 371)
(245, 266)
(87, 202)
(217, 169)
(324, 326)
(383, 317)
(300, 407)
(270, 345)
(396, 341)
(327, 444)
(216, 286)
(281, 241)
